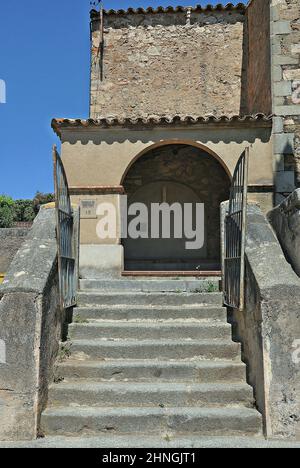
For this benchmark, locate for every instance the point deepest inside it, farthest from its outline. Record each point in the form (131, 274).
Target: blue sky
(44, 61)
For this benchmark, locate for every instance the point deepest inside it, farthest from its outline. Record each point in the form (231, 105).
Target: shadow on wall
(170, 19)
(205, 134)
(244, 79)
(256, 67)
(285, 168)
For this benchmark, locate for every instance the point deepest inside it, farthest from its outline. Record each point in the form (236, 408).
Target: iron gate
(64, 233)
(235, 236)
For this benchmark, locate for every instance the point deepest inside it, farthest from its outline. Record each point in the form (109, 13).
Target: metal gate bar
(64, 233)
(235, 236)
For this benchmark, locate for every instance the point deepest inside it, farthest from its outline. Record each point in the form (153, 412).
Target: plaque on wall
(88, 209)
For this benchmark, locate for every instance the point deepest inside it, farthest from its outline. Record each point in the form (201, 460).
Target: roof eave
(240, 7)
(257, 120)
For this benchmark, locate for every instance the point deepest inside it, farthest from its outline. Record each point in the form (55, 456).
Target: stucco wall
(102, 157)
(161, 64)
(257, 57)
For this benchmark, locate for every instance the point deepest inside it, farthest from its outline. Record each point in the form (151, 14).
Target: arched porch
(176, 173)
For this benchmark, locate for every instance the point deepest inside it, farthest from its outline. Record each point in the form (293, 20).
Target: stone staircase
(151, 358)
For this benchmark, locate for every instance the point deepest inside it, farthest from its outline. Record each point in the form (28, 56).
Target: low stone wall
(10, 242)
(285, 220)
(30, 331)
(269, 329)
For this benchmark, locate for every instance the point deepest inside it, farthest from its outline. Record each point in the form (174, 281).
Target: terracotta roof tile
(156, 120)
(198, 8)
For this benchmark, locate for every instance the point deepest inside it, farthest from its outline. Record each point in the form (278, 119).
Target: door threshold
(169, 274)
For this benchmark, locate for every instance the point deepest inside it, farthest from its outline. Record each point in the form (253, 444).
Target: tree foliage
(12, 211)
(42, 199)
(24, 211)
(6, 211)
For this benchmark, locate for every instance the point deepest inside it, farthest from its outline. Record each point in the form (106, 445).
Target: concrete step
(149, 285)
(203, 421)
(139, 298)
(150, 394)
(150, 370)
(144, 330)
(155, 349)
(143, 440)
(134, 312)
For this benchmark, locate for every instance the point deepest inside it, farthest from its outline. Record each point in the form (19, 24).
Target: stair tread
(152, 306)
(151, 362)
(114, 341)
(89, 292)
(94, 411)
(149, 440)
(134, 385)
(152, 323)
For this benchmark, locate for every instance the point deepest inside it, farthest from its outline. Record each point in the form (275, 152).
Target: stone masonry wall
(167, 63)
(285, 39)
(269, 329)
(257, 58)
(10, 242)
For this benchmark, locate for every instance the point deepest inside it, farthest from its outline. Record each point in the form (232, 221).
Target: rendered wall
(101, 158)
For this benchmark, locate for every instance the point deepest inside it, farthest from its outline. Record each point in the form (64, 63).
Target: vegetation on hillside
(16, 211)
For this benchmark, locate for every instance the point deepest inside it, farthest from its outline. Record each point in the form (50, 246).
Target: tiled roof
(198, 8)
(156, 120)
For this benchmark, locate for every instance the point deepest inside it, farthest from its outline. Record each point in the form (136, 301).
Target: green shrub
(21, 210)
(42, 199)
(6, 211)
(24, 211)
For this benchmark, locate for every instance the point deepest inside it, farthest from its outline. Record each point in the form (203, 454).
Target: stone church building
(142, 348)
(176, 95)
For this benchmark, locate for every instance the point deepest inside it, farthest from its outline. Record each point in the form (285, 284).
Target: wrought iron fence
(235, 236)
(67, 254)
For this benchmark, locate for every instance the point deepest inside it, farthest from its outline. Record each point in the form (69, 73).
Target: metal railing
(235, 236)
(65, 233)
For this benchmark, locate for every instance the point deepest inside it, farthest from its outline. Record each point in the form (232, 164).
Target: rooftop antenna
(96, 4)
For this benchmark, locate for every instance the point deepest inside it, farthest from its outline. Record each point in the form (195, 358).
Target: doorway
(180, 174)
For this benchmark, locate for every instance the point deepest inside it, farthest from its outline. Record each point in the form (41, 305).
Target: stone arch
(175, 172)
(175, 141)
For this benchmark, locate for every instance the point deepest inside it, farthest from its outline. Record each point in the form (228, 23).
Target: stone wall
(257, 58)
(269, 329)
(285, 220)
(10, 242)
(285, 39)
(167, 63)
(31, 328)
